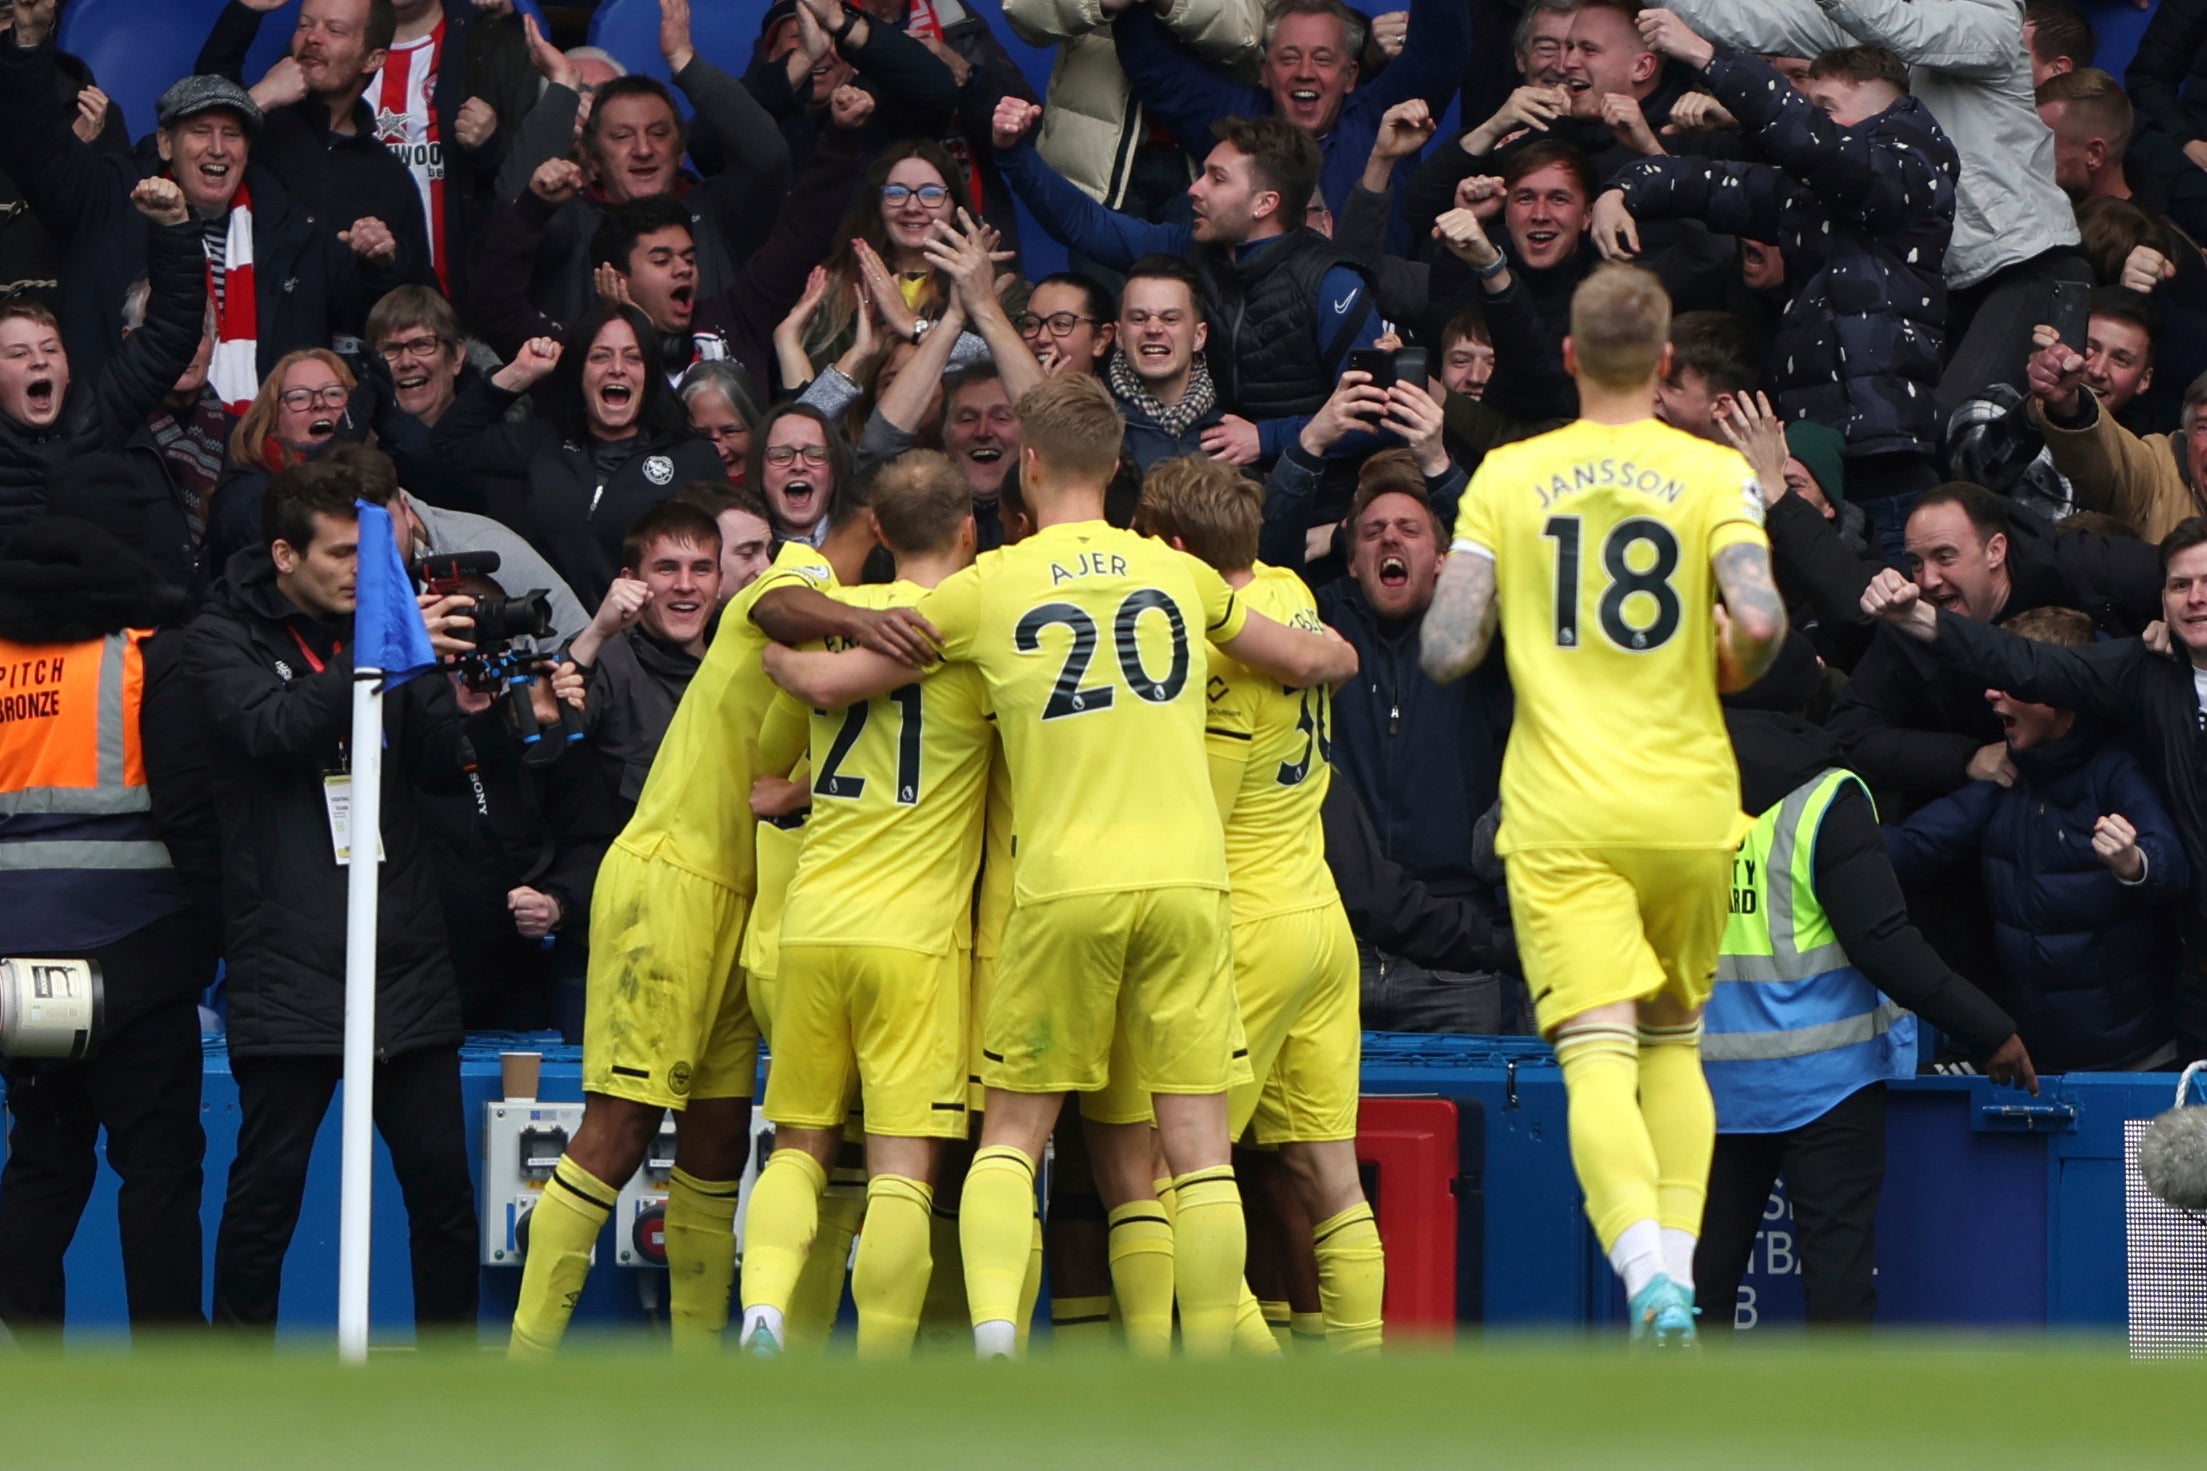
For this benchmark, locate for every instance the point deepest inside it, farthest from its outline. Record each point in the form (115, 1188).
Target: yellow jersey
(695, 809)
(1278, 744)
(1093, 642)
(1602, 537)
(992, 900)
(894, 840)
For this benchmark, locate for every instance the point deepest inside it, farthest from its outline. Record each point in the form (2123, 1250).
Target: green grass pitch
(1498, 1402)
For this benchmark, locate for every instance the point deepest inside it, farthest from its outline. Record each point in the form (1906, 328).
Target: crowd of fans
(1933, 274)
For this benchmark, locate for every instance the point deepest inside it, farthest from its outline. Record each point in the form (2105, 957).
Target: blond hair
(1073, 426)
(1620, 321)
(1214, 509)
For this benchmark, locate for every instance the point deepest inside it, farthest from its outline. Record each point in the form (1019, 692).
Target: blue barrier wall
(1998, 1210)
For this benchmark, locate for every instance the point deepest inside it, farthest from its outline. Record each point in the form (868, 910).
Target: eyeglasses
(412, 347)
(784, 454)
(931, 195)
(1058, 324)
(331, 396)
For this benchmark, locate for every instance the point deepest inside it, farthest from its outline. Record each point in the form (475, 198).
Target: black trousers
(1833, 1169)
(142, 1086)
(1988, 327)
(419, 1114)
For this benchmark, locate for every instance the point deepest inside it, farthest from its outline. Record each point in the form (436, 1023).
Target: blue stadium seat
(136, 48)
(722, 30)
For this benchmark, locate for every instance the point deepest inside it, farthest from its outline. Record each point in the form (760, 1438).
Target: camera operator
(270, 663)
(106, 840)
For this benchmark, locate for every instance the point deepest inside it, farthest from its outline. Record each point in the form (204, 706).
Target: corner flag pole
(357, 1175)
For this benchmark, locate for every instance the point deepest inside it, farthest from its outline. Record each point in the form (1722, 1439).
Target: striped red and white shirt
(403, 95)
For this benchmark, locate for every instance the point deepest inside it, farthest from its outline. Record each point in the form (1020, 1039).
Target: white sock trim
(995, 1339)
(769, 1319)
(1638, 1255)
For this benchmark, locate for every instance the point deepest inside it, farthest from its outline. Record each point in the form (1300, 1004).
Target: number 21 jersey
(1093, 642)
(1602, 537)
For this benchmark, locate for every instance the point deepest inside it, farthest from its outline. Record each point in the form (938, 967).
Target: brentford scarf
(235, 371)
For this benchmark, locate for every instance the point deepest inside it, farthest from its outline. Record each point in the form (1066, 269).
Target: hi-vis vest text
(1793, 1028)
(72, 778)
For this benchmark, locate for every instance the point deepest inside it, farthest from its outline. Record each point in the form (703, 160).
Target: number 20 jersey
(1602, 537)
(1094, 642)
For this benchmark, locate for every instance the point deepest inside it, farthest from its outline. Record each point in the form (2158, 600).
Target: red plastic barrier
(1410, 1143)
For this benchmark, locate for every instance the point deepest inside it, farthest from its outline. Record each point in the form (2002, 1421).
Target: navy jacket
(1862, 216)
(2086, 962)
(1425, 758)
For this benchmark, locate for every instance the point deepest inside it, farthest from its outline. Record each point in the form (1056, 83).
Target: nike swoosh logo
(1342, 305)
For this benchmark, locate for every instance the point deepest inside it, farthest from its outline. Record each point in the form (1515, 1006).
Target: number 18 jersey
(1602, 536)
(1094, 644)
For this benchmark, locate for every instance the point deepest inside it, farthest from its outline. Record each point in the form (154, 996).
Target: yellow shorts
(983, 973)
(665, 1016)
(762, 939)
(1132, 989)
(871, 1021)
(1596, 926)
(1297, 980)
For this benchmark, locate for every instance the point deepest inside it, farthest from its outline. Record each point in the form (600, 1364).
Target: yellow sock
(995, 1227)
(889, 1279)
(1252, 1334)
(819, 1295)
(701, 1258)
(1141, 1276)
(1278, 1320)
(1210, 1252)
(1080, 1323)
(943, 1319)
(1610, 1147)
(1309, 1332)
(778, 1229)
(1030, 1288)
(1352, 1279)
(1168, 1198)
(562, 1228)
(1682, 1125)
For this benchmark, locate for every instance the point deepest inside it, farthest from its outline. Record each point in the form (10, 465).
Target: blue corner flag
(388, 631)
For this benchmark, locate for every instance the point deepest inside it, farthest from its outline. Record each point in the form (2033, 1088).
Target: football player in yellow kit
(1115, 969)
(872, 991)
(1628, 566)
(1295, 967)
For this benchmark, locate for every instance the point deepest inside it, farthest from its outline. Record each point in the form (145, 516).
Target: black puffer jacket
(1862, 216)
(101, 411)
(273, 728)
(576, 515)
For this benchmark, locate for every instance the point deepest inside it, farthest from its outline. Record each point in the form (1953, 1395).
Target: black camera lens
(500, 620)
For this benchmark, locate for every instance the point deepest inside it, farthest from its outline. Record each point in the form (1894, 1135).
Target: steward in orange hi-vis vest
(81, 857)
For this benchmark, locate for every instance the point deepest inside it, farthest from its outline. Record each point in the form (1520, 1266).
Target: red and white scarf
(235, 370)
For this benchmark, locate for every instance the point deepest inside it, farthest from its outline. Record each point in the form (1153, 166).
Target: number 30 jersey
(1094, 645)
(1602, 537)
(1276, 746)
(894, 840)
